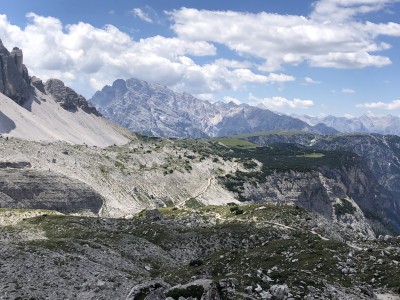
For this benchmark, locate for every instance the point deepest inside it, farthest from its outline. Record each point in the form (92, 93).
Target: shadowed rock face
(6, 124)
(67, 97)
(14, 78)
(33, 189)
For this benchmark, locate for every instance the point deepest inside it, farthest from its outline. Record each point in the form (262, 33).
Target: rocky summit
(51, 111)
(67, 97)
(14, 78)
(153, 109)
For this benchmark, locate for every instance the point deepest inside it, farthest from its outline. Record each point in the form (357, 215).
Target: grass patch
(311, 155)
(194, 291)
(236, 142)
(344, 207)
(193, 203)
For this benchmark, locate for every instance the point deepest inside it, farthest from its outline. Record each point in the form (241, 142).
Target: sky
(325, 57)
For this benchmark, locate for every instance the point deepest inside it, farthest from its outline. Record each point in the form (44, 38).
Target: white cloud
(348, 91)
(349, 116)
(344, 10)
(81, 53)
(138, 12)
(395, 104)
(233, 64)
(248, 76)
(280, 102)
(311, 81)
(318, 40)
(228, 99)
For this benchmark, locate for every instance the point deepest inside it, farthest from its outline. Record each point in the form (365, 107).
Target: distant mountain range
(153, 109)
(366, 123)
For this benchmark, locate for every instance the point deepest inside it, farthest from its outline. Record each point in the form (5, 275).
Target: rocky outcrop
(152, 290)
(153, 109)
(67, 97)
(38, 83)
(380, 157)
(14, 78)
(15, 165)
(33, 189)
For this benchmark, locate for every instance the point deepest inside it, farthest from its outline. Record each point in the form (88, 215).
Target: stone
(154, 215)
(367, 290)
(154, 290)
(38, 83)
(258, 288)
(280, 292)
(265, 295)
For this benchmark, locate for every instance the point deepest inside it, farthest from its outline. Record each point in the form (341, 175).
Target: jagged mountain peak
(14, 77)
(67, 97)
(154, 109)
(52, 111)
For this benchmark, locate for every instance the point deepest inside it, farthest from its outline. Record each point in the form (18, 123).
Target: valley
(206, 201)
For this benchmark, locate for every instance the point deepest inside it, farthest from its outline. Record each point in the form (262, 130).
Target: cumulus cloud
(319, 39)
(228, 99)
(348, 91)
(233, 64)
(345, 10)
(280, 102)
(311, 81)
(349, 116)
(141, 14)
(395, 104)
(81, 53)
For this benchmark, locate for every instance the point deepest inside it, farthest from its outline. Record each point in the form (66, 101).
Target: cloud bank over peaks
(395, 104)
(280, 102)
(209, 52)
(81, 53)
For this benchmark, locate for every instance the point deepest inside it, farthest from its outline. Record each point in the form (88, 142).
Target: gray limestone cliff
(33, 189)
(380, 155)
(14, 78)
(16, 84)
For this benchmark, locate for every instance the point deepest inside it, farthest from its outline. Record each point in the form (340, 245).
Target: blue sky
(323, 57)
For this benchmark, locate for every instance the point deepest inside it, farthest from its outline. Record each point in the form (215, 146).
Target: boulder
(150, 290)
(279, 292)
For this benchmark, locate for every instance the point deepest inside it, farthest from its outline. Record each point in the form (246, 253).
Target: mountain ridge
(386, 124)
(153, 109)
(52, 111)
